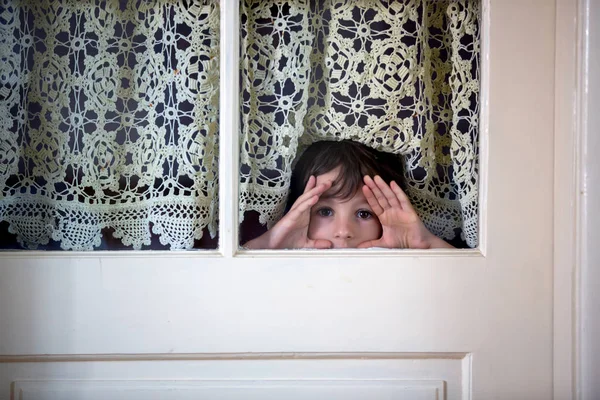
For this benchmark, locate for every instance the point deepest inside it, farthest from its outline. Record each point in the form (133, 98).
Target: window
(111, 127)
(398, 76)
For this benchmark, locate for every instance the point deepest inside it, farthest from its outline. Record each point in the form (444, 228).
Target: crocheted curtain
(399, 76)
(108, 119)
(109, 109)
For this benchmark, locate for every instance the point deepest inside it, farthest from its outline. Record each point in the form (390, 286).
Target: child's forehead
(332, 199)
(334, 195)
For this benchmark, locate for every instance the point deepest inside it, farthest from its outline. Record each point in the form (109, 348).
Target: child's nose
(343, 230)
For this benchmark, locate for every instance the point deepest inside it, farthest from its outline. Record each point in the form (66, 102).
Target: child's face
(345, 222)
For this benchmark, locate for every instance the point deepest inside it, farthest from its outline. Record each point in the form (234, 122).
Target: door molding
(571, 76)
(588, 276)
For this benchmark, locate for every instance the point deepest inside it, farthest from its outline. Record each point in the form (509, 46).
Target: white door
(232, 324)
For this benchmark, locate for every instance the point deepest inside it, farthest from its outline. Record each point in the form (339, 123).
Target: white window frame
(229, 154)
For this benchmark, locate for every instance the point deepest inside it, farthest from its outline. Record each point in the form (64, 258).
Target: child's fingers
(369, 243)
(310, 184)
(308, 189)
(372, 200)
(381, 199)
(315, 191)
(319, 244)
(402, 197)
(297, 212)
(387, 192)
(305, 205)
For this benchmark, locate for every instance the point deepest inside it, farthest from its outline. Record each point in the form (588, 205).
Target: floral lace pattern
(108, 118)
(109, 109)
(400, 76)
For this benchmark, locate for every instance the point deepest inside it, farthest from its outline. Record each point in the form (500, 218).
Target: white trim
(484, 124)
(581, 117)
(570, 110)
(465, 357)
(467, 376)
(229, 128)
(201, 254)
(588, 299)
(363, 253)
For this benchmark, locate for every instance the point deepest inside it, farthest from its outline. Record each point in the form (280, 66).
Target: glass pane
(109, 114)
(398, 83)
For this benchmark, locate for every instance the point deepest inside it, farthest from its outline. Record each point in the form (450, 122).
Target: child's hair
(355, 161)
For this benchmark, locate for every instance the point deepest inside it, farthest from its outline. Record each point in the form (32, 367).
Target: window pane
(399, 77)
(109, 114)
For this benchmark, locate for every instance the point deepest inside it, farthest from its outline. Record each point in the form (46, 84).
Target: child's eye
(364, 214)
(325, 212)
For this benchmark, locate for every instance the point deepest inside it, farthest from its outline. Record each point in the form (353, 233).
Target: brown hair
(355, 161)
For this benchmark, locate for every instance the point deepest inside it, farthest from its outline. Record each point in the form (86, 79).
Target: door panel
(234, 390)
(410, 376)
(478, 321)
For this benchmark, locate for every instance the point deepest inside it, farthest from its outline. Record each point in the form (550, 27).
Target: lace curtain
(400, 76)
(108, 119)
(109, 109)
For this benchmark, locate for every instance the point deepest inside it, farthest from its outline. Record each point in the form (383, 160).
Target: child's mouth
(343, 245)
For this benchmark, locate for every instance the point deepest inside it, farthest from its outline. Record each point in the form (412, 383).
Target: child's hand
(291, 231)
(402, 227)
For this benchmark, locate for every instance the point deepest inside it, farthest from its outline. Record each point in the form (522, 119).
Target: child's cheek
(315, 227)
(373, 227)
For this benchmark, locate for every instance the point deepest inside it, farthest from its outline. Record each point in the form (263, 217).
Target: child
(340, 198)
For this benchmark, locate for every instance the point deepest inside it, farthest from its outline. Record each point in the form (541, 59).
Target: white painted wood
(494, 305)
(566, 194)
(230, 390)
(229, 128)
(397, 372)
(590, 209)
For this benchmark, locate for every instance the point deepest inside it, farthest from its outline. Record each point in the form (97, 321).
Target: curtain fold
(399, 76)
